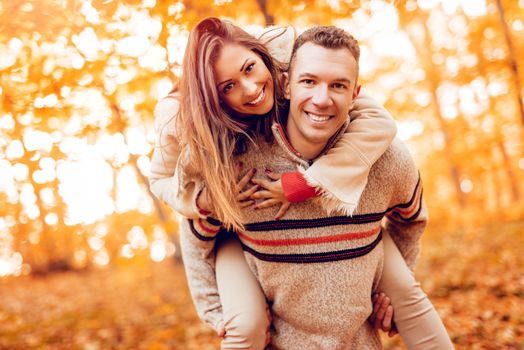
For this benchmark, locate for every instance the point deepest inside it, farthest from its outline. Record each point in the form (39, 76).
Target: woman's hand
(245, 197)
(271, 193)
(382, 316)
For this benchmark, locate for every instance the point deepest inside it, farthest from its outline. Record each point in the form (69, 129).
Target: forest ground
(474, 277)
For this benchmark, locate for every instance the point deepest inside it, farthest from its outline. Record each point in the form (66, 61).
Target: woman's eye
(307, 81)
(250, 67)
(227, 88)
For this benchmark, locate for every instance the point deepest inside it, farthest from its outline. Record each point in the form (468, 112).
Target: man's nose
(321, 97)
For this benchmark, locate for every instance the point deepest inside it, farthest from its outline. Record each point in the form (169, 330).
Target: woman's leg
(244, 305)
(417, 320)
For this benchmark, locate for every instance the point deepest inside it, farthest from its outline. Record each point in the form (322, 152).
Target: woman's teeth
(258, 99)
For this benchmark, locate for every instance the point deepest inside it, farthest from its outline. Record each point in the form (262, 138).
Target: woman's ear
(285, 84)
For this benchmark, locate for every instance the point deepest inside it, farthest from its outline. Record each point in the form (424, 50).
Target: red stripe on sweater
(312, 240)
(414, 206)
(284, 138)
(203, 227)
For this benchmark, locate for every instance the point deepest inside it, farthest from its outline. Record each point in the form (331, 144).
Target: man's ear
(356, 91)
(285, 84)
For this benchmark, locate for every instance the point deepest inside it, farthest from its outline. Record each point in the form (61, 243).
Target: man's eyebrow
(311, 75)
(307, 75)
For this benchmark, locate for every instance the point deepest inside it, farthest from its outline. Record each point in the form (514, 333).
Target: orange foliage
(79, 81)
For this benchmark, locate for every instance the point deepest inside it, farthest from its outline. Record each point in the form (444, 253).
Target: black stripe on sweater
(197, 234)
(412, 217)
(413, 197)
(312, 223)
(278, 225)
(315, 257)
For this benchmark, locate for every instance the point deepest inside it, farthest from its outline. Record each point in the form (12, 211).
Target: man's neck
(307, 150)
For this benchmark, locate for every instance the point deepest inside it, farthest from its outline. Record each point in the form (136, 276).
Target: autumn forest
(89, 258)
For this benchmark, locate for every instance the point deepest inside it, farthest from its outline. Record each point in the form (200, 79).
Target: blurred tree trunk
(423, 49)
(496, 137)
(512, 60)
(515, 195)
(158, 206)
(268, 18)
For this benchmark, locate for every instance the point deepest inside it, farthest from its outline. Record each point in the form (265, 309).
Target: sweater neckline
(283, 141)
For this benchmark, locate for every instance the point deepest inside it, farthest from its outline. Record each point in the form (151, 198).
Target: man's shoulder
(396, 163)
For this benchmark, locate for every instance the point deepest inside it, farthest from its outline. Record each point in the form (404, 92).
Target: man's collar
(283, 141)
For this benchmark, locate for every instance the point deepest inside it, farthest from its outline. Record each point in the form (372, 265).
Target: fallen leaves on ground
(475, 279)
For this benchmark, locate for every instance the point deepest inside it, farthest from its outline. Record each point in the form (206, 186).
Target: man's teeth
(258, 99)
(318, 118)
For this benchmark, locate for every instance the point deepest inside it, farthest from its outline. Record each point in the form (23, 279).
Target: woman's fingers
(273, 176)
(246, 204)
(283, 209)
(388, 319)
(377, 311)
(262, 183)
(245, 179)
(247, 193)
(382, 313)
(266, 204)
(262, 195)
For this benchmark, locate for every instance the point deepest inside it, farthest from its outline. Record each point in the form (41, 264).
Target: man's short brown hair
(329, 37)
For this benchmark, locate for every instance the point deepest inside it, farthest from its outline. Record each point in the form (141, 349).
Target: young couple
(244, 134)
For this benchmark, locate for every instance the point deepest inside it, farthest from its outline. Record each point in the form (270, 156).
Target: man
(318, 269)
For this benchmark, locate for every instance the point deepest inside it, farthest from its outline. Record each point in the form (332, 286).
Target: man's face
(321, 87)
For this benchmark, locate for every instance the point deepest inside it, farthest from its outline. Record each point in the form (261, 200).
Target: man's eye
(339, 86)
(227, 88)
(250, 67)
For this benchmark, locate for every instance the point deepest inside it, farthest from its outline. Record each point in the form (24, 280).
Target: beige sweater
(317, 269)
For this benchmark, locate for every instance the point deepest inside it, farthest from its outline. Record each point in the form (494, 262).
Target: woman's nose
(249, 87)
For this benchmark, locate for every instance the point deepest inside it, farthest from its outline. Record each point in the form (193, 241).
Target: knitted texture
(316, 269)
(296, 188)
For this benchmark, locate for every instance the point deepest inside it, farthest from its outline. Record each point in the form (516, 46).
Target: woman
(220, 114)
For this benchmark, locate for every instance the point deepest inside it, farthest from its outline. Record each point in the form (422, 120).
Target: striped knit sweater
(317, 269)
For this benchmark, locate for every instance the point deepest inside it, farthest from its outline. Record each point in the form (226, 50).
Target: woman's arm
(341, 174)
(197, 242)
(167, 180)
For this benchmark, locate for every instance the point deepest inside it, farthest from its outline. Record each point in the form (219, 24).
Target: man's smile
(318, 118)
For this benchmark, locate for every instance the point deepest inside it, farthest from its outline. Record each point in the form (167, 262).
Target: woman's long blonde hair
(208, 130)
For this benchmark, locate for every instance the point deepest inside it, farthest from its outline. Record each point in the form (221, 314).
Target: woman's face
(243, 81)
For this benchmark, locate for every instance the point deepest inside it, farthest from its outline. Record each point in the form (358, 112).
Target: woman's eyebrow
(223, 82)
(244, 64)
(241, 69)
